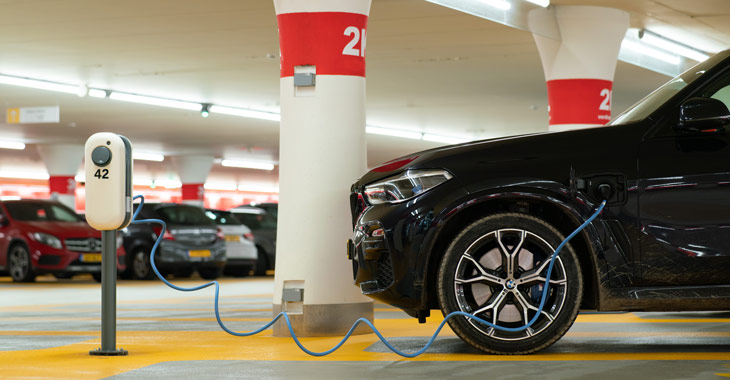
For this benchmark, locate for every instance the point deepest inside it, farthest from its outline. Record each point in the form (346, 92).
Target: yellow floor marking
(633, 318)
(630, 334)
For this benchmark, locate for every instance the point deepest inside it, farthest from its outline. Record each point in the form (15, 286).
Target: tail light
(219, 235)
(248, 236)
(167, 236)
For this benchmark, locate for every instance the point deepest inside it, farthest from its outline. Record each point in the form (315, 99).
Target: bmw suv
(471, 227)
(192, 241)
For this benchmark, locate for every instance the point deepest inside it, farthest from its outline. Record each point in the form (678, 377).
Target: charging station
(108, 168)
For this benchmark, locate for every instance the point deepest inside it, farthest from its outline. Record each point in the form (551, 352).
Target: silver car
(241, 252)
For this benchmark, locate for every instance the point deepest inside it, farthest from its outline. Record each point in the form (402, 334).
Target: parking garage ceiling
(430, 69)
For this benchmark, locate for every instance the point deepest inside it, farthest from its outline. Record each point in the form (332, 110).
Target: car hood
(63, 230)
(504, 153)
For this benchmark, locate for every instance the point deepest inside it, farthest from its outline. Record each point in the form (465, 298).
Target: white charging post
(108, 168)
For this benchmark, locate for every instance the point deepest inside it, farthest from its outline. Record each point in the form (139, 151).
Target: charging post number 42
(108, 168)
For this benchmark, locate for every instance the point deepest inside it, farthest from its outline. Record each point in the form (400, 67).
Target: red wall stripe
(65, 185)
(193, 191)
(579, 101)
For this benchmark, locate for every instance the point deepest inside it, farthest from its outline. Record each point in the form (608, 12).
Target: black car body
(192, 241)
(661, 244)
(263, 225)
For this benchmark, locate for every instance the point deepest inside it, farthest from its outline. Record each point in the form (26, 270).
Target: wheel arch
(560, 214)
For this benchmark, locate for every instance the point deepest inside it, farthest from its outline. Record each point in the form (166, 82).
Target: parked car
(263, 226)
(270, 208)
(42, 236)
(192, 242)
(471, 227)
(241, 251)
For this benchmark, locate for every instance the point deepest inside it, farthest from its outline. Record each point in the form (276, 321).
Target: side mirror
(703, 115)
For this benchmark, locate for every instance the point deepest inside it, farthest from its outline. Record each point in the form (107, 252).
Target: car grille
(83, 245)
(384, 276)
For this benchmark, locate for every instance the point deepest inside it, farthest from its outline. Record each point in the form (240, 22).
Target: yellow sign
(13, 115)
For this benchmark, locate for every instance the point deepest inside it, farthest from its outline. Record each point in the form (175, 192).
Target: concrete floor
(47, 329)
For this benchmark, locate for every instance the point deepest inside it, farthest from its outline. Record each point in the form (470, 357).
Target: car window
(184, 215)
(257, 221)
(222, 218)
(40, 212)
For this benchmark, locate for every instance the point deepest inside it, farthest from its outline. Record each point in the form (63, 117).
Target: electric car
(241, 251)
(192, 242)
(42, 236)
(471, 227)
(263, 226)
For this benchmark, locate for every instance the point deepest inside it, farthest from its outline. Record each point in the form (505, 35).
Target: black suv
(470, 227)
(192, 241)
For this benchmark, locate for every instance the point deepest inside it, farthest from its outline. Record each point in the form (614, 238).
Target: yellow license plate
(91, 257)
(199, 253)
(233, 238)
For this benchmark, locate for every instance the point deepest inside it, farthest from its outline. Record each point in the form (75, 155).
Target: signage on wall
(33, 115)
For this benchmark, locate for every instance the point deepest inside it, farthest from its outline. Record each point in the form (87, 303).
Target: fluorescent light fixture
(245, 113)
(248, 164)
(23, 174)
(393, 132)
(542, 3)
(81, 177)
(148, 156)
(96, 93)
(220, 186)
(150, 100)
(10, 198)
(443, 139)
(12, 145)
(168, 183)
(39, 84)
(499, 4)
(141, 182)
(672, 46)
(651, 52)
(258, 189)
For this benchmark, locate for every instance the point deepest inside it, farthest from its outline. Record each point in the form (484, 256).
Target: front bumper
(51, 260)
(171, 252)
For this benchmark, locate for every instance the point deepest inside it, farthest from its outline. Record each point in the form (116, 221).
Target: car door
(684, 200)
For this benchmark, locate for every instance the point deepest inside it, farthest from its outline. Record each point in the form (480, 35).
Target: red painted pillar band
(193, 192)
(579, 101)
(62, 185)
(333, 41)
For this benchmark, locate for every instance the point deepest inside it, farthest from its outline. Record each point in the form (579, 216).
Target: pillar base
(325, 320)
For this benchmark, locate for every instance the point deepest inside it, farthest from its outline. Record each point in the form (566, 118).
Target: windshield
(653, 101)
(222, 218)
(184, 215)
(41, 212)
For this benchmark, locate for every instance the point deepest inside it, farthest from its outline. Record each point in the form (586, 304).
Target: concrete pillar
(62, 162)
(322, 152)
(193, 171)
(579, 68)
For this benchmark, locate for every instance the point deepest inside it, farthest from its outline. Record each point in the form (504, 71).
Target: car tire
(63, 276)
(141, 268)
(19, 264)
(262, 264)
(97, 276)
(474, 277)
(240, 271)
(210, 273)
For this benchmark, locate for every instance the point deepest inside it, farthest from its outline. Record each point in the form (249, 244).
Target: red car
(38, 236)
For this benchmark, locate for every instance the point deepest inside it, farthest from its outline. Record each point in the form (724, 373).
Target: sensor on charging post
(108, 168)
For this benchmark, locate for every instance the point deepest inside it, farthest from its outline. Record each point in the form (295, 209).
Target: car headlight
(48, 240)
(405, 186)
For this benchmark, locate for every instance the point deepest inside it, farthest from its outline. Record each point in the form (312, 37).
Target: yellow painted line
(630, 334)
(633, 318)
(723, 374)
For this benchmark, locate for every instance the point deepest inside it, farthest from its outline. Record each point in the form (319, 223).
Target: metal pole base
(100, 352)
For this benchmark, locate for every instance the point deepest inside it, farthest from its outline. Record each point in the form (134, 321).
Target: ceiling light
(672, 46)
(393, 132)
(12, 145)
(155, 101)
(148, 156)
(245, 113)
(499, 4)
(167, 183)
(39, 84)
(443, 139)
(248, 164)
(96, 93)
(205, 111)
(220, 186)
(23, 174)
(651, 52)
(10, 198)
(542, 3)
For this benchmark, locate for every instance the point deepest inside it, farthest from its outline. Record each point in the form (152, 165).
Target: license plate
(199, 253)
(233, 238)
(91, 258)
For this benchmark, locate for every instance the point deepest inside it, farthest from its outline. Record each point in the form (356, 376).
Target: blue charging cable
(284, 315)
